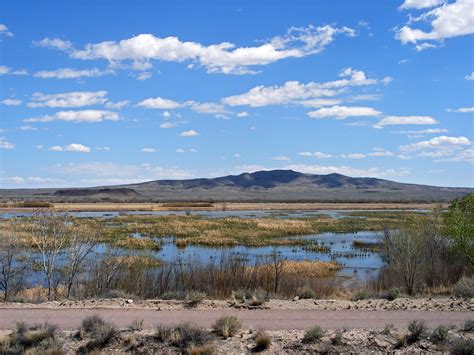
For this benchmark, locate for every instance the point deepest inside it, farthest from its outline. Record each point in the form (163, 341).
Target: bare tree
(49, 233)
(12, 270)
(277, 263)
(81, 243)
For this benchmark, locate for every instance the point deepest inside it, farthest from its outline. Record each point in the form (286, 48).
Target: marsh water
(357, 265)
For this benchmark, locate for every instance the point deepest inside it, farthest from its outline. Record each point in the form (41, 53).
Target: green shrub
(391, 294)
(227, 326)
(173, 295)
(314, 334)
(361, 295)
(183, 335)
(193, 298)
(440, 334)
(464, 288)
(262, 341)
(463, 347)
(416, 329)
(306, 292)
(468, 325)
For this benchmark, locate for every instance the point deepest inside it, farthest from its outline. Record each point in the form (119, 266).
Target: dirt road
(258, 319)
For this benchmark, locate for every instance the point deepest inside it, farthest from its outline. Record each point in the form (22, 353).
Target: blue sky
(106, 92)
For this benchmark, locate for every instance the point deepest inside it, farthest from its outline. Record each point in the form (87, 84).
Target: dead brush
(37, 339)
(100, 332)
(227, 326)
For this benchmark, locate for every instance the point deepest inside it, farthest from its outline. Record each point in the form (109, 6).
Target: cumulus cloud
(342, 112)
(117, 105)
(73, 147)
(168, 125)
(405, 120)
(424, 131)
(318, 155)
(281, 158)
(296, 92)
(190, 133)
(462, 110)
(223, 57)
(159, 103)
(68, 99)
(69, 73)
(5, 144)
(421, 4)
(442, 148)
(376, 152)
(4, 31)
(447, 20)
(242, 114)
(11, 102)
(54, 43)
(350, 171)
(27, 128)
(4, 70)
(78, 116)
(148, 150)
(469, 76)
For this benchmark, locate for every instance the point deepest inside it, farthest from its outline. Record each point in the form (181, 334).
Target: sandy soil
(416, 304)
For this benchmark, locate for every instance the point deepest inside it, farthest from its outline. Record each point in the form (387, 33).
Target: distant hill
(260, 186)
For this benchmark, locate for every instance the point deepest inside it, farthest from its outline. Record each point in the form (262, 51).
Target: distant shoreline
(232, 206)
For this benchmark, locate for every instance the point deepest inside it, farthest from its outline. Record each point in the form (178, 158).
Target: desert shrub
(172, 295)
(462, 347)
(258, 297)
(306, 292)
(464, 287)
(136, 325)
(32, 339)
(391, 294)
(227, 326)
(100, 332)
(206, 349)
(440, 334)
(468, 325)
(262, 341)
(388, 328)
(314, 334)
(242, 295)
(337, 338)
(416, 329)
(193, 298)
(361, 295)
(183, 335)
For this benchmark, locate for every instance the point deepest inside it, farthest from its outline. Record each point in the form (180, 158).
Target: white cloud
(117, 105)
(15, 181)
(168, 125)
(424, 131)
(224, 57)
(318, 155)
(27, 128)
(179, 150)
(4, 31)
(421, 4)
(4, 70)
(320, 102)
(296, 92)
(148, 150)
(54, 43)
(350, 171)
(447, 21)
(206, 107)
(405, 120)
(11, 102)
(354, 156)
(190, 133)
(442, 148)
(78, 116)
(469, 76)
(242, 114)
(342, 112)
(69, 73)
(68, 99)
(462, 110)
(74, 147)
(4, 144)
(166, 114)
(281, 158)
(159, 103)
